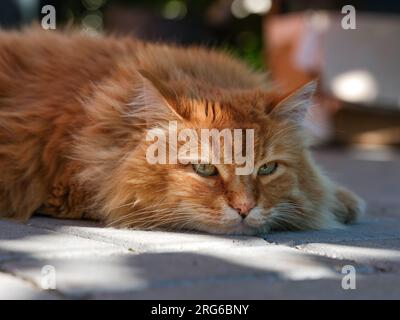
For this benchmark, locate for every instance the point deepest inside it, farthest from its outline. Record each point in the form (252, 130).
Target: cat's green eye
(205, 170)
(267, 169)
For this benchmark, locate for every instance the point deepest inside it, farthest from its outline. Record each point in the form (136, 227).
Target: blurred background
(358, 100)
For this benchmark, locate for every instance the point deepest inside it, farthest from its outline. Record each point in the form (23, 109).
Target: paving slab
(373, 174)
(371, 287)
(382, 255)
(20, 242)
(145, 241)
(89, 277)
(13, 288)
(368, 228)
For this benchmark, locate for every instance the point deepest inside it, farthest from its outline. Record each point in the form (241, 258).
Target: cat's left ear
(294, 106)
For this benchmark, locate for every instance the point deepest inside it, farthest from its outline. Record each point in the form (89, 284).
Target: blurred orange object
(358, 100)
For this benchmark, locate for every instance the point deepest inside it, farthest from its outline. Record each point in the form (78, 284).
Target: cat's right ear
(155, 98)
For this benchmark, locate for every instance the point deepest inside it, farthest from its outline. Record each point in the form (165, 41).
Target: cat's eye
(205, 170)
(267, 169)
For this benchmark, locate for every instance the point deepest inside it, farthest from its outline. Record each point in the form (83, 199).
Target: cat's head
(281, 189)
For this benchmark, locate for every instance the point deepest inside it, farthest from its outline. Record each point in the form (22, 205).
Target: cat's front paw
(348, 206)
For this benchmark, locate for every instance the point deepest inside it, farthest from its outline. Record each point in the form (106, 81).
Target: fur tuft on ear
(294, 106)
(152, 101)
(169, 95)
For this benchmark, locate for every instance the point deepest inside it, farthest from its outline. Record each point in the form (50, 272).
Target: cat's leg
(347, 206)
(62, 202)
(66, 198)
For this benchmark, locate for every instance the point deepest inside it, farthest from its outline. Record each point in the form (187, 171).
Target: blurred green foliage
(242, 37)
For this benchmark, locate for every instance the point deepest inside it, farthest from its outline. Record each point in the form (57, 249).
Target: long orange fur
(74, 110)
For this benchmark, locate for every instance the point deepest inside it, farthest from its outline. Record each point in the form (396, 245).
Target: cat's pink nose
(244, 208)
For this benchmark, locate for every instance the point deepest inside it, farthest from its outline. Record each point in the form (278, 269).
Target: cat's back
(197, 65)
(47, 63)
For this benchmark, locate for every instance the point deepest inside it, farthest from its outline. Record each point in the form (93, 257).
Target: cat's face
(213, 197)
(216, 199)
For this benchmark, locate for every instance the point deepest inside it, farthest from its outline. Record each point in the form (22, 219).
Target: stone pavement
(92, 262)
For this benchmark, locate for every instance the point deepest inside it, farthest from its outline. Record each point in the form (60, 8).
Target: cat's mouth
(232, 223)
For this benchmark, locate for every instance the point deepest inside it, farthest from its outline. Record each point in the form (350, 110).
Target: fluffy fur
(74, 111)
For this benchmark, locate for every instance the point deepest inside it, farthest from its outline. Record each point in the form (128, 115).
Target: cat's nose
(244, 208)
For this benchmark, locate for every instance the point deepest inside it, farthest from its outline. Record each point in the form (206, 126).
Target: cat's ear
(294, 106)
(156, 97)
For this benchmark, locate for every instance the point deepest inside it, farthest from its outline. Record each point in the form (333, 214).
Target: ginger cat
(74, 112)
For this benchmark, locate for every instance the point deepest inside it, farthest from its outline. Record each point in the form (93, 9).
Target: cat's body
(74, 112)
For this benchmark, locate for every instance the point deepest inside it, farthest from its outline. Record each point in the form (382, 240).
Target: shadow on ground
(88, 269)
